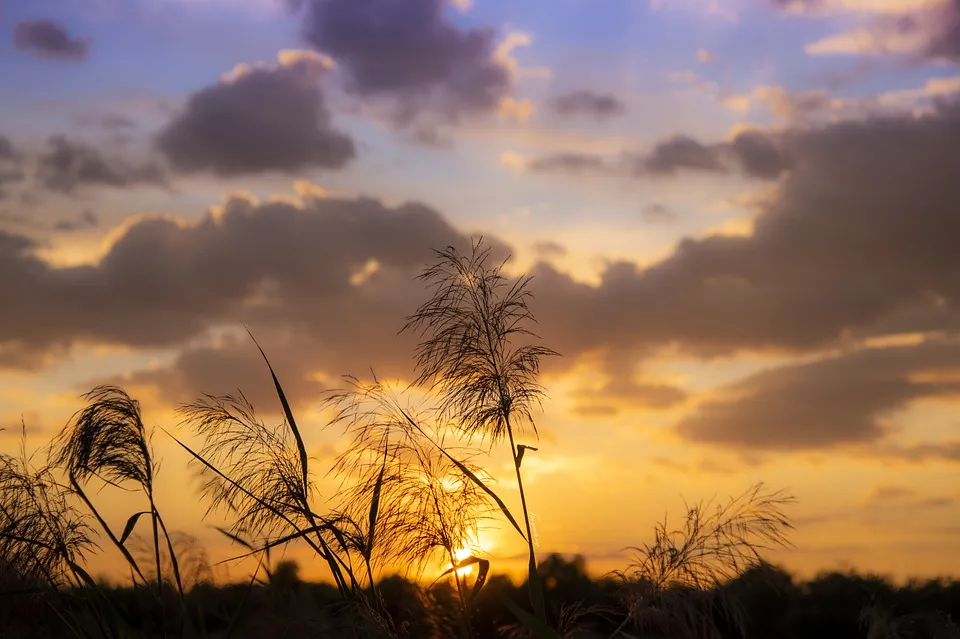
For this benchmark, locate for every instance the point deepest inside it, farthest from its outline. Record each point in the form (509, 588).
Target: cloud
(285, 269)
(882, 38)
(704, 57)
(570, 162)
(761, 155)
(107, 121)
(941, 451)
(843, 247)
(945, 40)
(682, 152)
(49, 39)
(588, 103)
(657, 212)
(548, 249)
(883, 494)
(618, 394)
(258, 119)
(920, 29)
(784, 104)
(7, 150)
(411, 54)
(755, 153)
(72, 164)
(84, 221)
(858, 241)
(836, 7)
(842, 400)
(11, 165)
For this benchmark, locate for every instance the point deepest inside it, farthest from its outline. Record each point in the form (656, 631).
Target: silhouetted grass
(413, 492)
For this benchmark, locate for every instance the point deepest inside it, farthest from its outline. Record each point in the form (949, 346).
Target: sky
(740, 215)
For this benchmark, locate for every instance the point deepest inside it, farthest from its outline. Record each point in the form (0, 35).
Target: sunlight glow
(460, 555)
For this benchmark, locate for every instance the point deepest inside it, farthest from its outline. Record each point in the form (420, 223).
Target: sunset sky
(743, 219)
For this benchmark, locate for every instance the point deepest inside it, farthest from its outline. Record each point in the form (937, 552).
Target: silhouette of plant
(256, 473)
(42, 535)
(108, 440)
(428, 494)
(478, 354)
(675, 584)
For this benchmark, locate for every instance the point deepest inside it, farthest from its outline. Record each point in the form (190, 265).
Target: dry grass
(676, 582)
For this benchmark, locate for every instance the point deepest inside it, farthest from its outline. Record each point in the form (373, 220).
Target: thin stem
(464, 618)
(535, 599)
(156, 556)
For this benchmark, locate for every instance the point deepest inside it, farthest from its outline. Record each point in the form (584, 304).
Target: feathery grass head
(262, 463)
(428, 508)
(41, 533)
(716, 542)
(675, 583)
(470, 327)
(107, 439)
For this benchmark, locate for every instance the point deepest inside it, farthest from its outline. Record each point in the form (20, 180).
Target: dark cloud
(570, 162)
(756, 154)
(682, 152)
(7, 150)
(945, 40)
(49, 39)
(86, 220)
(760, 155)
(658, 212)
(336, 274)
(842, 400)
(72, 164)
(861, 232)
(589, 103)
(410, 52)
(11, 165)
(861, 239)
(258, 119)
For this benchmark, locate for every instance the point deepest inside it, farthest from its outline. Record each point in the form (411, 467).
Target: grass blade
(131, 523)
(288, 413)
(375, 503)
(483, 568)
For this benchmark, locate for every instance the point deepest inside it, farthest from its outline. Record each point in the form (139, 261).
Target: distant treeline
(770, 602)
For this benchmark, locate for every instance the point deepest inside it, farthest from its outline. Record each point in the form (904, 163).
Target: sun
(460, 555)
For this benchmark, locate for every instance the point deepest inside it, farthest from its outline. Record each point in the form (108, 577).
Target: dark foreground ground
(770, 602)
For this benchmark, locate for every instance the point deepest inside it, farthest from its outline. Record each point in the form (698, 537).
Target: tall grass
(480, 355)
(413, 490)
(675, 583)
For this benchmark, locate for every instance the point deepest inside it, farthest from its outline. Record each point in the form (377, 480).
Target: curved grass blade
(483, 568)
(288, 413)
(131, 523)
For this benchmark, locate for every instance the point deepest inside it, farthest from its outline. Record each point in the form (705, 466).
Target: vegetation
(414, 490)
